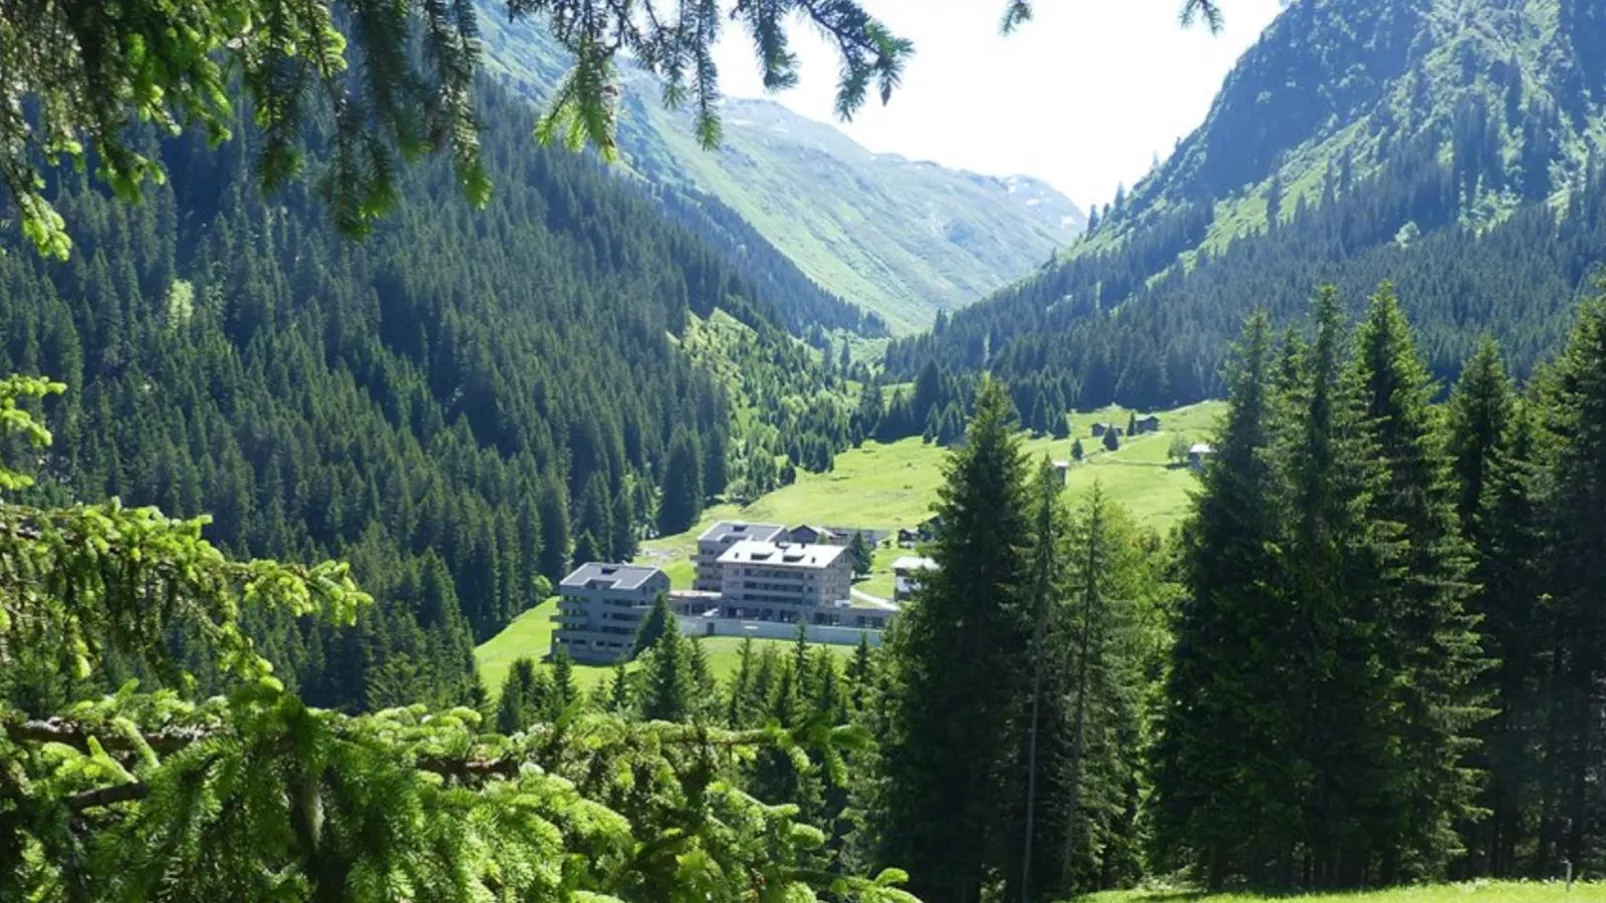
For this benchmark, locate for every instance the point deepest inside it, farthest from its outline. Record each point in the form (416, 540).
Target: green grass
(1473, 892)
(886, 487)
(530, 636)
(890, 486)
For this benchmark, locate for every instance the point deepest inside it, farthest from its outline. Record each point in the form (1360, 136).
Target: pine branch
(107, 796)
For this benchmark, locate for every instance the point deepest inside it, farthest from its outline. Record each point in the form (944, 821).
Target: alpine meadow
(452, 452)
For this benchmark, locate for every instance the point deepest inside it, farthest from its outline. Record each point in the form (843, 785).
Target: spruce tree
(667, 690)
(659, 620)
(681, 500)
(1334, 738)
(1101, 725)
(957, 673)
(1491, 443)
(554, 511)
(1046, 809)
(863, 555)
(1573, 475)
(1222, 785)
(1424, 637)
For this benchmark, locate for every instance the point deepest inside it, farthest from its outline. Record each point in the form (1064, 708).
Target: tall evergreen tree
(681, 500)
(554, 511)
(1491, 442)
(956, 672)
(1101, 724)
(1574, 495)
(668, 689)
(1424, 639)
(1222, 795)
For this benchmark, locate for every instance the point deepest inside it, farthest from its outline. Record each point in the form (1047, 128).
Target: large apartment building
(716, 540)
(600, 609)
(784, 581)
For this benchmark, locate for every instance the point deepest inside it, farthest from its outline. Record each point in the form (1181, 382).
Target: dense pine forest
(1451, 148)
(456, 404)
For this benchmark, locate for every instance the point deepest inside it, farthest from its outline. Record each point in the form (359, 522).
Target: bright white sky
(1083, 96)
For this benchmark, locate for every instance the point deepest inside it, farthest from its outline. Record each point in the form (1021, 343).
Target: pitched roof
(914, 563)
(621, 576)
(1201, 448)
(735, 529)
(784, 554)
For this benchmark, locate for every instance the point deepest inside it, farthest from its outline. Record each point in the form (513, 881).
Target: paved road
(875, 601)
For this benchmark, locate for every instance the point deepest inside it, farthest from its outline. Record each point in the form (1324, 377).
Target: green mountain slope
(462, 402)
(1447, 145)
(901, 238)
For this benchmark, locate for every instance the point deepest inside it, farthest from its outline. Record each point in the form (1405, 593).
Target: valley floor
(889, 486)
(530, 636)
(886, 487)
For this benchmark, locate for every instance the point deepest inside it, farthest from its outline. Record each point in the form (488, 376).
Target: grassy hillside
(530, 636)
(886, 487)
(1474, 892)
(892, 486)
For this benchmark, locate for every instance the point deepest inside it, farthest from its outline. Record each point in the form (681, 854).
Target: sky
(1084, 96)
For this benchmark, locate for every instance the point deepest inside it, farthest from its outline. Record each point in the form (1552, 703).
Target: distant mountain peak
(899, 237)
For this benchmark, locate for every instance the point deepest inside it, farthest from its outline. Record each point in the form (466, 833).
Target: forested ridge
(1449, 147)
(458, 405)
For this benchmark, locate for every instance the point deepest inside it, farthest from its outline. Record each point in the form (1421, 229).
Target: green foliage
(863, 555)
(415, 404)
(144, 795)
(1472, 133)
(957, 673)
(658, 622)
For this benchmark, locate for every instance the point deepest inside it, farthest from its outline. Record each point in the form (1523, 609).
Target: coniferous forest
(452, 405)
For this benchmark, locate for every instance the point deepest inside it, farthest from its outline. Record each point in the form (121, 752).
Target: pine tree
(668, 691)
(554, 511)
(1425, 638)
(1045, 818)
(1076, 450)
(594, 523)
(681, 501)
(1209, 812)
(1112, 441)
(1573, 476)
(1338, 740)
(659, 621)
(957, 672)
(564, 691)
(1491, 442)
(737, 711)
(1101, 728)
(863, 555)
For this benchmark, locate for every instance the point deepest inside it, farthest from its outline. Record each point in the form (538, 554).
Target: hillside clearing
(889, 486)
(530, 636)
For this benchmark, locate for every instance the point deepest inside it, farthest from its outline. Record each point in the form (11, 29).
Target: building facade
(601, 607)
(907, 572)
(785, 582)
(716, 540)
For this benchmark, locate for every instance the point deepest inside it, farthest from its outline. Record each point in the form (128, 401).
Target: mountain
(901, 238)
(1450, 146)
(460, 404)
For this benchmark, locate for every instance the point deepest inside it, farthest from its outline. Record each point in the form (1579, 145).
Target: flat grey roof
(739, 530)
(622, 576)
(796, 555)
